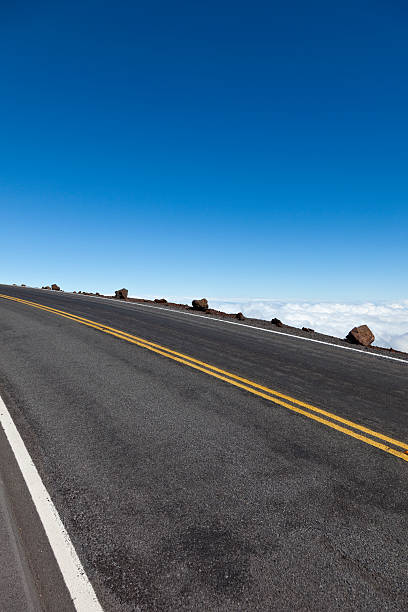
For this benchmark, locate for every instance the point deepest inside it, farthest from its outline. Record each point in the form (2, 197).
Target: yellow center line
(126, 335)
(237, 381)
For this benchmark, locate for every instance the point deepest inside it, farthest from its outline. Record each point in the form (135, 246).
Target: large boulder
(200, 304)
(55, 287)
(361, 335)
(121, 294)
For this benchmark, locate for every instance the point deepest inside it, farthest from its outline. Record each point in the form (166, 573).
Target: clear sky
(206, 149)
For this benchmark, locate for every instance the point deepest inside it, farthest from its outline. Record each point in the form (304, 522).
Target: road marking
(126, 335)
(263, 329)
(83, 596)
(238, 381)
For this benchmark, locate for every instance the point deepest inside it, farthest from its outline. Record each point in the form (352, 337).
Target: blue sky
(217, 148)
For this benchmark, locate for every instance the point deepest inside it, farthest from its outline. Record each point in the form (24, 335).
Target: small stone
(121, 294)
(277, 322)
(200, 304)
(55, 287)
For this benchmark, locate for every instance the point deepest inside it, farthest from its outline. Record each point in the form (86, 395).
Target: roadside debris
(200, 304)
(277, 322)
(121, 294)
(361, 335)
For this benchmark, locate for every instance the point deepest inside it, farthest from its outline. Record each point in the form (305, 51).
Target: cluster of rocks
(202, 306)
(361, 335)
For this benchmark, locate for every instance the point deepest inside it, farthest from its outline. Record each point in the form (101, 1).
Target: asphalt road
(181, 491)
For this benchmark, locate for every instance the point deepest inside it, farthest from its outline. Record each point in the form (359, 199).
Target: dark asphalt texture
(182, 492)
(30, 580)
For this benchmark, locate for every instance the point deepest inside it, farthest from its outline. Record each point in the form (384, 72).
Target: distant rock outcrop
(240, 316)
(160, 301)
(277, 322)
(121, 294)
(361, 335)
(200, 304)
(55, 287)
(47, 287)
(308, 329)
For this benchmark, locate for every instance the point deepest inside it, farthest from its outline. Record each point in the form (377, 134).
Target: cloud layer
(388, 320)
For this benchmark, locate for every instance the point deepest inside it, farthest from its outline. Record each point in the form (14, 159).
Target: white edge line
(82, 593)
(269, 331)
(248, 326)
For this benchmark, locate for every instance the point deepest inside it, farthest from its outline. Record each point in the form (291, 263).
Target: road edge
(81, 592)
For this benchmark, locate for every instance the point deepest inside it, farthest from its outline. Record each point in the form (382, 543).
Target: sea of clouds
(387, 320)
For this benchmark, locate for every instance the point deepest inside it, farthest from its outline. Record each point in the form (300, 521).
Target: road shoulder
(34, 577)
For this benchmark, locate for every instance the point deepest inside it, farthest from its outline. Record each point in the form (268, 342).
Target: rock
(97, 293)
(308, 329)
(160, 301)
(277, 322)
(200, 304)
(55, 287)
(46, 287)
(361, 335)
(240, 316)
(121, 294)
(23, 285)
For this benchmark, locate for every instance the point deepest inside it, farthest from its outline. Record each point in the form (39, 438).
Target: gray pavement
(181, 492)
(16, 585)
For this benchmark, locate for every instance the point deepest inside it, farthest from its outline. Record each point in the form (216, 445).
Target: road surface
(200, 465)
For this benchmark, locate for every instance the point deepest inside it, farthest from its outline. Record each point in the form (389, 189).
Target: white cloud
(401, 343)
(388, 320)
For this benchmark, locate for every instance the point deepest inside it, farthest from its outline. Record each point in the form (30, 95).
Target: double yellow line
(379, 440)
